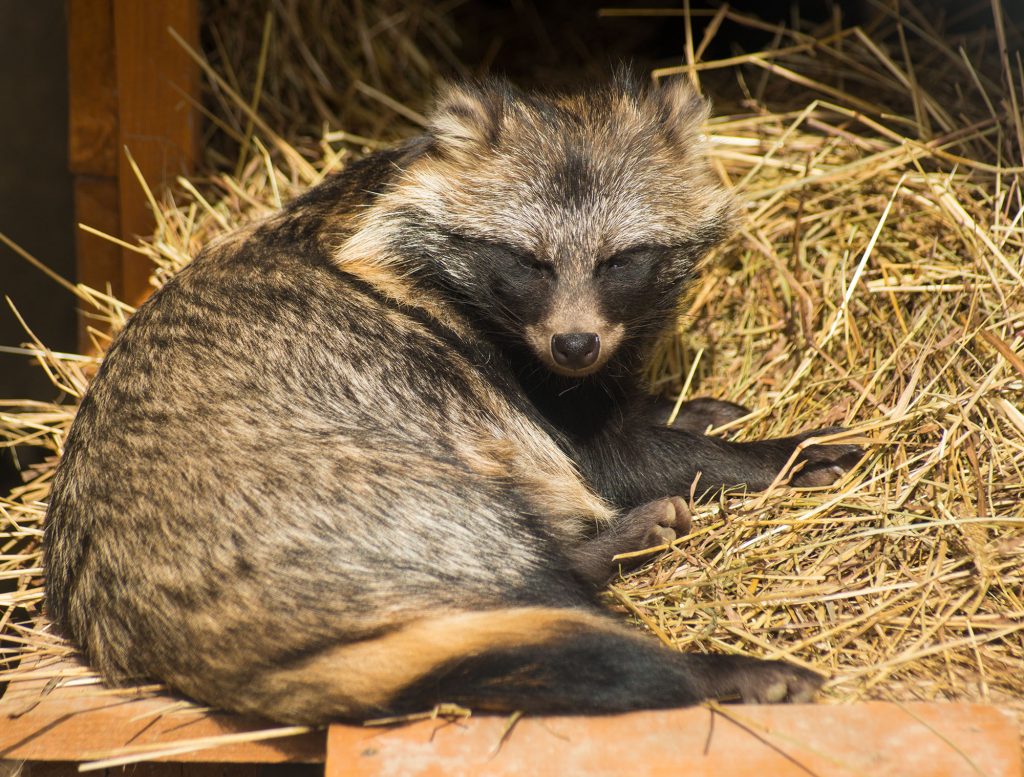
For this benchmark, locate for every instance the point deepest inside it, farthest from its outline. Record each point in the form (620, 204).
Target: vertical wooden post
(156, 79)
(92, 145)
(131, 86)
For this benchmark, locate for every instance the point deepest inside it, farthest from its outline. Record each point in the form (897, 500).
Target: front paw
(773, 682)
(660, 522)
(652, 524)
(822, 465)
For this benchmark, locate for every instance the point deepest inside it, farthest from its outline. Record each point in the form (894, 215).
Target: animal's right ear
(466, 118)
(683, 108)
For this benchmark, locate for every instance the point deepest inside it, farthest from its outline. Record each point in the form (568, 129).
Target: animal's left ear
(683, 109)
(466, 117)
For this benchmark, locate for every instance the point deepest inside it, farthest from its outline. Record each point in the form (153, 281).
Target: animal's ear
(466, 117)
(683, 109)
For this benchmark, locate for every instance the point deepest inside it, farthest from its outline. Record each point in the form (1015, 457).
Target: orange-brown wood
(92, 727)
(92, 147)
(65, 769)
(156, 121)
(97, 260)
(50, 714)
(131, 85)
(46, 716)
(874, 738)
(92, 89)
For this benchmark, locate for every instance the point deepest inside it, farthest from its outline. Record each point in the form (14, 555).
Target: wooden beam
(156, 122)
(90, 725)
(46, 716)
(873, 738)
(130, 86)
(92, 89)
(92, 147)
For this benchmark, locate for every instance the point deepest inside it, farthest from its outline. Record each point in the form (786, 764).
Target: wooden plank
(97, 261)
(92, 147)
(155, 119)
(65, 769)
(873, 738)
(48, 714)
(89, 727)
(92, 89)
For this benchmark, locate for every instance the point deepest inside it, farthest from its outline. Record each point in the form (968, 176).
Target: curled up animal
(379, 450)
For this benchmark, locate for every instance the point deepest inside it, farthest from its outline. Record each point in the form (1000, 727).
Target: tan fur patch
(364, 257)
(544, 476)
(359, 678)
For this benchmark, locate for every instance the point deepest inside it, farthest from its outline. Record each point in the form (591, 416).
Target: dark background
(35, 187)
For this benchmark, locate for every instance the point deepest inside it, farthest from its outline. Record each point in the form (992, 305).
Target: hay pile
(876, 283)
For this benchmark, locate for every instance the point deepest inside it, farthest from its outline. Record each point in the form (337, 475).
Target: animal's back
(268, 461)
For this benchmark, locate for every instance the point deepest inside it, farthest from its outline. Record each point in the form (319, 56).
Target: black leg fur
(644, 463)
(603, 671)
(617, 436)
(697, 415)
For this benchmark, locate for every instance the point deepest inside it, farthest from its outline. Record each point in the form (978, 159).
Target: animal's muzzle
(575, 350)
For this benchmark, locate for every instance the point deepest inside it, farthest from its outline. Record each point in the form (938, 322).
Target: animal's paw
(824, 464)
(773, 682)
(662, 521)
(698, 414)
(648, 526)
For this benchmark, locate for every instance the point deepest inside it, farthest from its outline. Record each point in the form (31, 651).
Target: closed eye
(619, 261)
(527, 260)
(523, 258)
(534, 264)
(623, 259)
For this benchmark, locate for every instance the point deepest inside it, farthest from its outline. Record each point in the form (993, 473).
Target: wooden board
(97, 260)
(72, 723)
(46, 716)
(131, 86)
(873, 738)
(93, 148)
(156, 79)
(92, 89)
(86, 729)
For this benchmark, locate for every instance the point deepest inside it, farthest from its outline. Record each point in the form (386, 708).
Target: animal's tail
(539, 660)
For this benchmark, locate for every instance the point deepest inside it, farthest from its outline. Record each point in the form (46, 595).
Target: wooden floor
(873, 738)
(46, 719)
(54, 724)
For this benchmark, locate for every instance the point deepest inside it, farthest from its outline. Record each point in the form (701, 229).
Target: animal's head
(570, 223)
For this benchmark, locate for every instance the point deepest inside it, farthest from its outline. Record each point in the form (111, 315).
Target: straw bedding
(875, 283)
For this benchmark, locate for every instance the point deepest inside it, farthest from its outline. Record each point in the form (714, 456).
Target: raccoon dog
(379, 450)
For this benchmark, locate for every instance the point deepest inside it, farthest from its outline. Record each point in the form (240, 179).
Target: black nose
(575, 350)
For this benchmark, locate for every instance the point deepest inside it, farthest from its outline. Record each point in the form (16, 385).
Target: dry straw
(875, 283)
